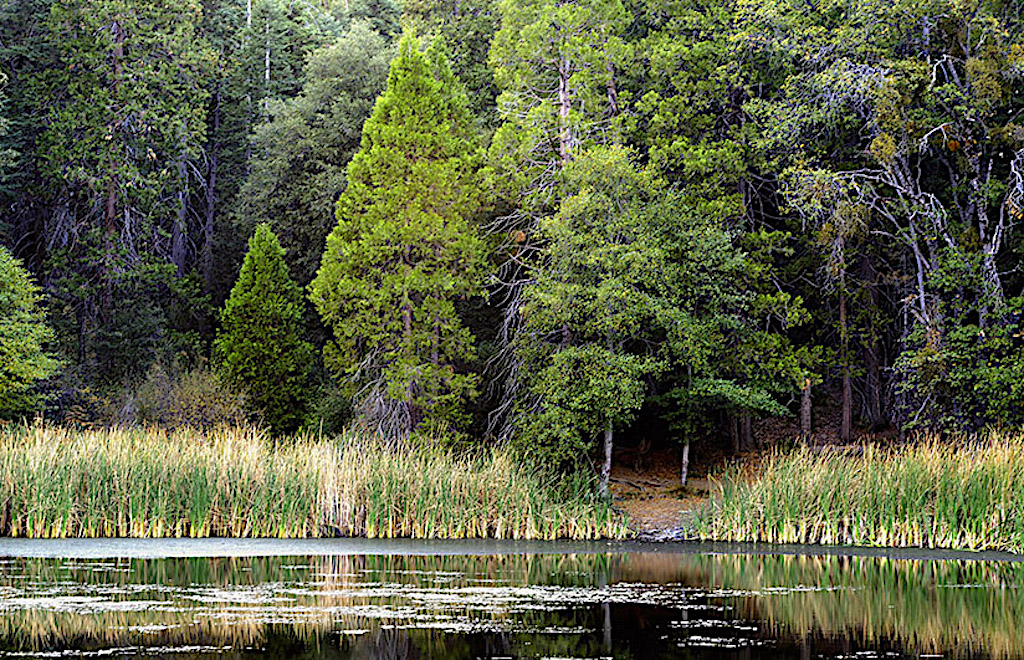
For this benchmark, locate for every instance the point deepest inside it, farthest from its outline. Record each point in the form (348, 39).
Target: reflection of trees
(957, 607)
(242, 602)
(409, 606)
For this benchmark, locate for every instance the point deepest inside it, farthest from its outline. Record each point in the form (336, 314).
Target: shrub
(195, 398)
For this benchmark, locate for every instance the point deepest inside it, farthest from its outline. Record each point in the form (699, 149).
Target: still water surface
(365, 599)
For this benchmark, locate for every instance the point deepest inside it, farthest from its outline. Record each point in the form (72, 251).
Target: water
(403, 599)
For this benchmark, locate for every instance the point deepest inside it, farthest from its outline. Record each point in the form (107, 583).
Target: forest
(558, 224)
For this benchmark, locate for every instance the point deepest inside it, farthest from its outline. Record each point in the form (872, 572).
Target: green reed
(57, 483)
(930, 493)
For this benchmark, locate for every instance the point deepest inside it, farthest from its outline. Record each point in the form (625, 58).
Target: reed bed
(58, 483)
(929, 493)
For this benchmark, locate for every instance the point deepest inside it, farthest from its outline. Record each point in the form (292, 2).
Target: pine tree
(259, 346)
(23, 338)
(404, 251)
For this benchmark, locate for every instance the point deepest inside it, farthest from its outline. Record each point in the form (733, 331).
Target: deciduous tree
(24, 339)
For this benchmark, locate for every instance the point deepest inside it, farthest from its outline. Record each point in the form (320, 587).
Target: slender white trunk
(565, 140)
(805, 411)
(684, 464)
(606, 466)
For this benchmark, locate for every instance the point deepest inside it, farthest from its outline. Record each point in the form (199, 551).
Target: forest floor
(646, 487)
(649, 492)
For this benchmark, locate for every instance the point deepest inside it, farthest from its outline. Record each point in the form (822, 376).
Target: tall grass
(929, 494)
(57, 483)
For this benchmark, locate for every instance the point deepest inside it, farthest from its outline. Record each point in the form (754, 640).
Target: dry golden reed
(231, 482)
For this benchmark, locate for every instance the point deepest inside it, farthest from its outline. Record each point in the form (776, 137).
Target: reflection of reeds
(961, 607)
(951, 607)
(56, 483)
(208, 601)
(929, 494)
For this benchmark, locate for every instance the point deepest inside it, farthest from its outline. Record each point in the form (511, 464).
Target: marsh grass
(57, 483)
(964, 495)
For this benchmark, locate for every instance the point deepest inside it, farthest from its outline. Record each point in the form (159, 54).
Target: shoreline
(127, 548)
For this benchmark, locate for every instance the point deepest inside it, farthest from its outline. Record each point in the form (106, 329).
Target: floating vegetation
(57, 483)
(626, 605)
(932, 494)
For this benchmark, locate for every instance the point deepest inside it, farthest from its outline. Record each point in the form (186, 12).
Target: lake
(359, 598)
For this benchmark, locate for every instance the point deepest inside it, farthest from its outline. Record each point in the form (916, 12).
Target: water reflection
(595, 605)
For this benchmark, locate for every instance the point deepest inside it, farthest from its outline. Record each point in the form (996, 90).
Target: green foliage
(554, 63)
(330, 412)
(300, 156)
(966, 377)
(259, 347)
(468, 28)
(631, 288)
(24, 336)
(404, 250)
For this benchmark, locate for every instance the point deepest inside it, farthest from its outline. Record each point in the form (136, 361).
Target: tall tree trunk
(846, 424)
(110, 212)
(805, 411)
(266, 75)
(748, 432)
(873, 350)
(613, 92)
(179, 230)
(210, 213)
(606, 465)
(684, 464)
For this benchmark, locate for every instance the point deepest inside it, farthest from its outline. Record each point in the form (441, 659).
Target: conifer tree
(404, 250)
(23, 338)
(259, 346)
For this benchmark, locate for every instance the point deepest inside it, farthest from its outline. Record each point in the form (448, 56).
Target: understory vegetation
(238, 482)
(929, 493)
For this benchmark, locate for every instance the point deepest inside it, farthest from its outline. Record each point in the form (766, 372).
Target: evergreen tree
(468, 26)
(404, 250)
(259, 347)
(125, 121)
(298, 166)
(23, 338)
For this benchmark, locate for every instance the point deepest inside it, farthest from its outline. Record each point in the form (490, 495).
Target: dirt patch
(647, 489)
